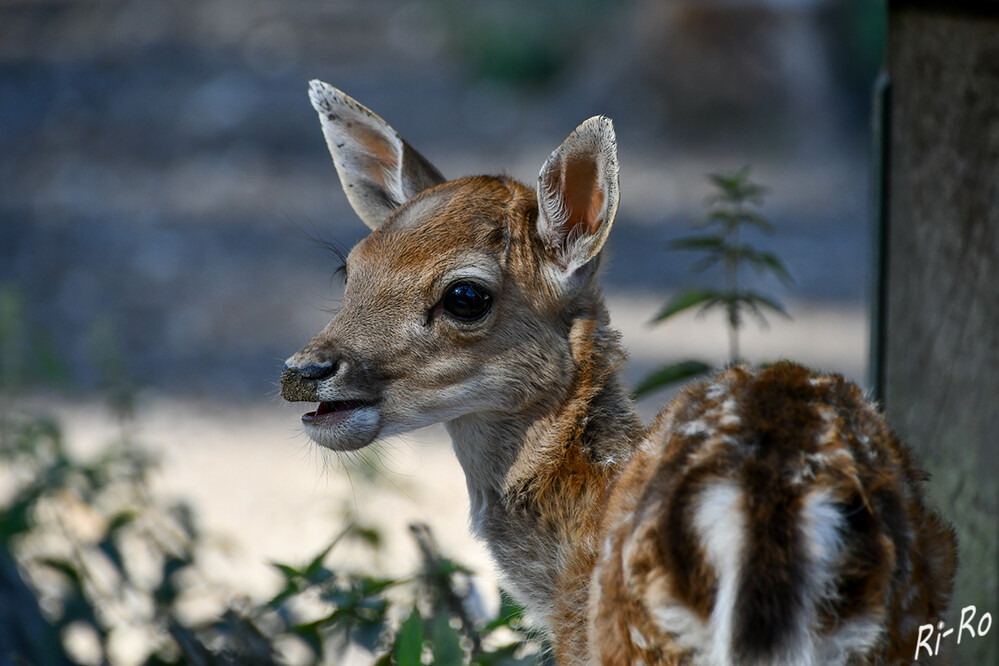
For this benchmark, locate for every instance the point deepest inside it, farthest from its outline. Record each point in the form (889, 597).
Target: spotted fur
(764, 517)
(776, 516)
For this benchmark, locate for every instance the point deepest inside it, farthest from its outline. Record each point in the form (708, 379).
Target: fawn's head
(463, 297)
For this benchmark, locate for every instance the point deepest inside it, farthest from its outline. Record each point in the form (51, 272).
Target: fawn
(765, 517)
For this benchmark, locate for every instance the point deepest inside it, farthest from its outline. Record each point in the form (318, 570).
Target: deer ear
(578, 194)
(378, 170)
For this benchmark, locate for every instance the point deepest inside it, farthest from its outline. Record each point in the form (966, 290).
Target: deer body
(763, 518)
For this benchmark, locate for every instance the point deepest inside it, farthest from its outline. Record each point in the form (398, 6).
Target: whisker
(350, 479)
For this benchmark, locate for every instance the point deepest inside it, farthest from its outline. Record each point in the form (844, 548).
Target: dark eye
(466, 301)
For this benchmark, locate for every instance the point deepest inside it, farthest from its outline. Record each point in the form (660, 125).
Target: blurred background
(164, 181)
(162, 170)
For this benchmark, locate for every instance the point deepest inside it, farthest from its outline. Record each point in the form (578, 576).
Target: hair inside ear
(584, 199)
(578, 194)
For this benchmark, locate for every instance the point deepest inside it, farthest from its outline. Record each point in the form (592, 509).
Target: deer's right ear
(378, 170)
(578, 195)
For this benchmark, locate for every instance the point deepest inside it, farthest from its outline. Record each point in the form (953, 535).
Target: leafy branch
(71, 531)
(731, 210)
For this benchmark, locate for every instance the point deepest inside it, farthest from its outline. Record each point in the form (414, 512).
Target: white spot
(721, 524)
(715, 391)
(637, 638)
(684, 626)
(821, 528)
(697, 427)
(728, 416)
(827, 413)
(802, 475)
(608, 547)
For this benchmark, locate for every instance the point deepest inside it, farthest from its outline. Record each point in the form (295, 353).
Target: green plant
(731, 210)
(99, 554)
(103, 557)
(433, 621)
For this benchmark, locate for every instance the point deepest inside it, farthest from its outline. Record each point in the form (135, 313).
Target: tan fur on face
(765, 517)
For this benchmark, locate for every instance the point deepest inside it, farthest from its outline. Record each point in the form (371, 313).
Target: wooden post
(939, 358)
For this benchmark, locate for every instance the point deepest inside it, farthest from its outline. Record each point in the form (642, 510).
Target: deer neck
(538, 479)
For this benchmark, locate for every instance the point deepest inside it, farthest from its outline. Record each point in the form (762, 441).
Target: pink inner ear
(381, 153)
(584, 199)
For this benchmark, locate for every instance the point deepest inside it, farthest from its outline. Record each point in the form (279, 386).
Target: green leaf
(707, 262)
(370, 536)
(312, 637)
(167, 591)
(686, 299)
(289, 572)
(510, 613)
(341, 597)
(696, 243)
(670, 374)
(290, 589)
(732, 217)
(368, 632)
(726, 216)
(371, 586)
(771, 262)
(17, 518)
(757, 220)
(337, 618)
(315, 567)
(446, 642)
(409, 642)
(121, 519)
(110, 550)
(755, 299)
(66, 567)
(735, 186)
(444, 568)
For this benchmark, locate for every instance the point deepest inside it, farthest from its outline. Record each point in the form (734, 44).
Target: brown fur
(898, 559)
(764, 517)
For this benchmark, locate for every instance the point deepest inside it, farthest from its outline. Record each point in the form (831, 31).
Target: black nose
(316, 371)
(300, 383)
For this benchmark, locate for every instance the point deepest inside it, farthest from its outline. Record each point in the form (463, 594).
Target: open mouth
(333, 410)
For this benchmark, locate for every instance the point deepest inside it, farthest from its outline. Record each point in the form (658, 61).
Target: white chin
(345, 431)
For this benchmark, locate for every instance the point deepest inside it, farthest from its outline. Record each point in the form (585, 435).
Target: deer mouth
(343, 425)
(334, 410)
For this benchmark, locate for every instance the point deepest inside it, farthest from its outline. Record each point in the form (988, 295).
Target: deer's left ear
(578, 194)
